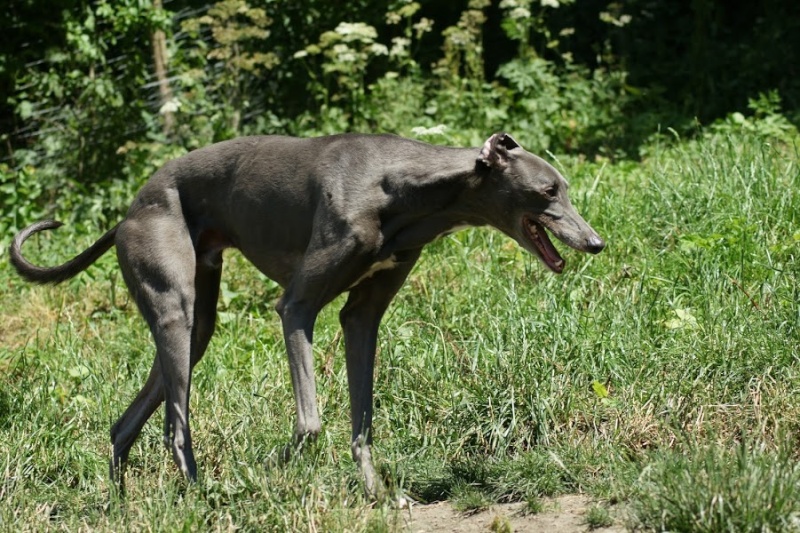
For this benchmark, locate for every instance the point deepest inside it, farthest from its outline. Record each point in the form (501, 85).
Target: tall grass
(662, 373)
(720, 489)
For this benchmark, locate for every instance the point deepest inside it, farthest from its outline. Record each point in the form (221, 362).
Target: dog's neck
(436, 194)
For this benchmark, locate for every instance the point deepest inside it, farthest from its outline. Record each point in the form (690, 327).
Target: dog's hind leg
(158, 262)
(130, 424)
(360, 318)
(127, 428)
(207, 279)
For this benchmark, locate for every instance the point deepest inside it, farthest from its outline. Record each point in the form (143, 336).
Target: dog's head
(532, 199)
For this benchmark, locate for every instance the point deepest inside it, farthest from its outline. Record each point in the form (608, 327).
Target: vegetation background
(98, 94)
(660, 377)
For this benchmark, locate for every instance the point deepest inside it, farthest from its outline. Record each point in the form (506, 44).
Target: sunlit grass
(496, 381)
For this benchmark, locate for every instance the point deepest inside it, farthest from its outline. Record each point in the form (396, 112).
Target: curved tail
(59, 273)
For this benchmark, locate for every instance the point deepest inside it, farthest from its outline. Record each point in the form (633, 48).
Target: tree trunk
(159, 41)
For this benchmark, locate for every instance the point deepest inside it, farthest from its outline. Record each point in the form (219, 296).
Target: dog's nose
(595, 244)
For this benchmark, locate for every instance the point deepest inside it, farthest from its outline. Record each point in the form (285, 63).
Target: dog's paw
(280, 456)
(385, 492)
(403, 501)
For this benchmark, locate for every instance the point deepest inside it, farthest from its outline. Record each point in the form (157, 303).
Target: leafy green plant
(525, 21)
(339, 64)
(533, 505)
(766, 119)
(346, 53)
(501, 524)
(470, 500)
(20, 199)
(463, 48)
(221, 75)
(82, 104)
(565, 108)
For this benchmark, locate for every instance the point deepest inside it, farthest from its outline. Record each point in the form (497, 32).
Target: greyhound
(320, 216)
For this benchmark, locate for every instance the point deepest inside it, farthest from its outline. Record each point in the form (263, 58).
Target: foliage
(598, 516)
(220, 75)
(20, 192)
(338, 67)
(463, 45)
(338, 80)
(83, 104)
(82, 88)
(568, 111)
(766, 120)
(562, 77)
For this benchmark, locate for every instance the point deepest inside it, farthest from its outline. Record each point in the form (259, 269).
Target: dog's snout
(595, 244)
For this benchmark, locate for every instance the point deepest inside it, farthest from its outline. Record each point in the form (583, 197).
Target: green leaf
(600, 390)
(25, 109)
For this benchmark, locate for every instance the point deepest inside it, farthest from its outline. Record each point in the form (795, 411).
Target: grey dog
(320, 216)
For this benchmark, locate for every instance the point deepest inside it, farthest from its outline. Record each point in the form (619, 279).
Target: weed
(533, 505)
(470, 500)
(598, 516)
(501, 524)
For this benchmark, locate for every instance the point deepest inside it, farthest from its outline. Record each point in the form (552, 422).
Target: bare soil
(565, 514)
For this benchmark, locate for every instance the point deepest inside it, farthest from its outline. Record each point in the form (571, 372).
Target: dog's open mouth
(537, 235)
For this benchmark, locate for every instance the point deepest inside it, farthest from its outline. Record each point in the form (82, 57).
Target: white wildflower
(170, 106)
(340, 49)
(520, 13)
(550, 3)
(605, 16)
(422, 131)
(393, 17)
(423, 26)
(399, 45)
(459, 38)
(378, 49)
(357, 31)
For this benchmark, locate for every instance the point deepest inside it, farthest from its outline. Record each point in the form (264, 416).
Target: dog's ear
(495, 150)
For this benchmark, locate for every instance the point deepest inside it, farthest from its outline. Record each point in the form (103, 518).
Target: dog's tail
(59, 273)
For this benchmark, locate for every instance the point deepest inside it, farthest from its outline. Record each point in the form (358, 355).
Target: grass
(661, 374)
(598, 516)
(719, 489)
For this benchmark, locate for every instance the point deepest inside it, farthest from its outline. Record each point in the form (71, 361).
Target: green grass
(598, 516)
(719, 489)
(661, 374)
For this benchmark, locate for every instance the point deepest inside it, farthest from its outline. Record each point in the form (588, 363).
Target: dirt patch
(565, 514)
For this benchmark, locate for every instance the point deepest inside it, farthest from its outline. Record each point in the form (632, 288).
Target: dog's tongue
(550, 255)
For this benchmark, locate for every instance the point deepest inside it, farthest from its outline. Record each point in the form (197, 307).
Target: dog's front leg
(360, 318)
(298, 330)
(328, 267)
